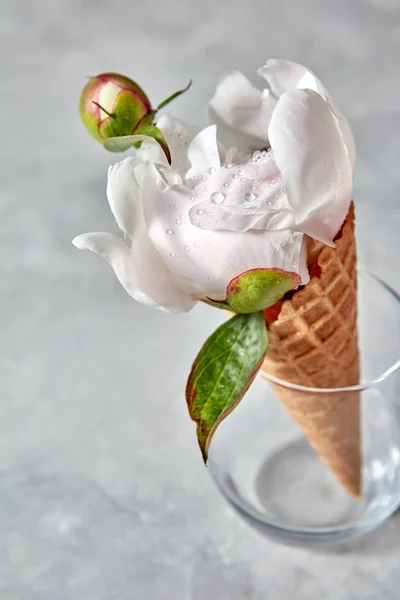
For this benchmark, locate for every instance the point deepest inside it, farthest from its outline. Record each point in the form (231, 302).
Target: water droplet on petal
(178, 222)
(243, 179)
(283, 189)
(217, 198)
(200, 211)
(204, 177)
(172, 254)
(169, 231)
(212, 170)
(229, 166)
(187, 248)
(200, 224)
(209, 279)
(226, 184)
(327, 220)
(235, 176)
(250, 197)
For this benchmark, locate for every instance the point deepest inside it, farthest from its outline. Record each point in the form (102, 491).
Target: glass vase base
(277, 482)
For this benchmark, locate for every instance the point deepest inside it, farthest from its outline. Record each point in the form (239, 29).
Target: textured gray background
(102, 492)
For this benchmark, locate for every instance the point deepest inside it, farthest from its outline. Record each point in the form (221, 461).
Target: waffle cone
(313, 343)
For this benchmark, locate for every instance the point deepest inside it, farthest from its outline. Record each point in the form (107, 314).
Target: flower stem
(173, 96)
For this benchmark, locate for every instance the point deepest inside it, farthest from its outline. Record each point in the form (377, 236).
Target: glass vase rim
(365, 385)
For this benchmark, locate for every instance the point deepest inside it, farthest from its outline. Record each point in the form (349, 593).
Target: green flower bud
(112, 105)
(118, 114)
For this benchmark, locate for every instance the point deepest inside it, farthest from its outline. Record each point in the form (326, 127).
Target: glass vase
(266, 469)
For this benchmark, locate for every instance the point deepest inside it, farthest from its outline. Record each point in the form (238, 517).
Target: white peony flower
(310, 138)
(238, 196)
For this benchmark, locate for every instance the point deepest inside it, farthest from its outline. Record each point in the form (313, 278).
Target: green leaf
(123, 142)
(145, 122)
(173, 96)
(258, 289)
(222, 372)
(153, 132)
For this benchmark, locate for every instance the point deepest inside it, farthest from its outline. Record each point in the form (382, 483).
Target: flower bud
(112, 105)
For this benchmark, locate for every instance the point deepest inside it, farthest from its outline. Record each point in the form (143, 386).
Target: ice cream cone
(313, 343)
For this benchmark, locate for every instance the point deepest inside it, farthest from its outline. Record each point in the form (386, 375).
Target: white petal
(203, 151)
(256, 182)
(124, 185)
(345, 129)
(206, 261)
(124, 189)
(140, 270)
(232, 156)
(171, 177)
(151, 152)
(118, 255)
(178, 136)
(312, 157)
(124, 193)
(241, 113)
(243, 197)
(285, 75)
(244, 219)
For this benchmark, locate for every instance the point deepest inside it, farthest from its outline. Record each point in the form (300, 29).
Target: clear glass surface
(264, 466)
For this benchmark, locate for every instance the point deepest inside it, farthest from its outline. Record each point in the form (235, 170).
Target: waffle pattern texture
(313, 342)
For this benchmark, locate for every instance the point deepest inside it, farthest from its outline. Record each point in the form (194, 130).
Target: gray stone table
(102, 492)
